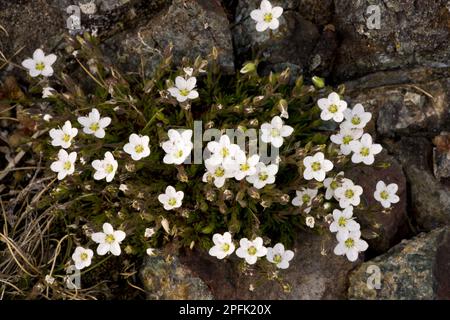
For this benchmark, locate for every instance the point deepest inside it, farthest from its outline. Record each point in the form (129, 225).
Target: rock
(390, 226)
(311, 275)
(168, 279)
(411, 33)
(441, 164)
(430, 199)
(318, 12)
(414, 269)
(193, 27)
(290, 45)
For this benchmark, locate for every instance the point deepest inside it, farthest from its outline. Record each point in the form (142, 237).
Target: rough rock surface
(414, 269)
(168, 279)
(310, 276)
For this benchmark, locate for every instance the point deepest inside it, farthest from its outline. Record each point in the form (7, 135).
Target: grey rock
(168, 279)
(411, 33)
(414, 269)
(441, 164)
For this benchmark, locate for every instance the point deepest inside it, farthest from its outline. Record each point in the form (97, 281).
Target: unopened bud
(248, 67)
(318, 82)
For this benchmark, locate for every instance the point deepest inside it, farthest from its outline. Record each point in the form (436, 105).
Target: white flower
(171, 199)
(243, 166)
(316, 167)
(106, 168)
(108, 240)
(309, 220)
(63, 137)
(275, 131)
(386, 194)
(348, 194)
(266, 16)
(150, 252)
(49, 279)
(251, 250)
(223, 245)
(47, 117)
(82, 257)
(178, 147)
(184, 89)
(344, 137)
(304, 198)
(263, 175)
(40, 64)
(332, 107)
(149, 232)
(137, 147)
(343, 221)
(332, 184)
(93, 124)
(222, 150)
(65, 165)
(364, 150)
(47, 92)
(279, 256)
(219, 173)
(350, 245)
(356, 118)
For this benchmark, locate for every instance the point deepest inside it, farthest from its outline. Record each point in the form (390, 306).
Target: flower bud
(248, 67)
(318, 82)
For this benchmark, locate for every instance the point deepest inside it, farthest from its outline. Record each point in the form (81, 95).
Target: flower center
(244, 167)
(40, 66)
(347, 139)
(219, 172)
(334, 185)
(67, 165)
(110, 238)
(184, 92)
(342, 222)
(225, 247)
(268, 17)
(263, 176)
(109, 168)
(364, 151)
(84, 256)
(384, 195)
(306, 198)
(275, 133)
(225, 152)
(333, 108)
(356, 120)
(252, 251)
(277, 258)
(94, 127)
(316, 166)
(66, 137)
(172, 202)
(179, 154)
(139, 148)
(349, 193)
(349, 243)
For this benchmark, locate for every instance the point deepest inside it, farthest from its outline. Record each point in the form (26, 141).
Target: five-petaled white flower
(309, 220)
(108, 240)
(106, 168)
(63, 137)
(94, 124)
(304, 198)
(243, 166)
(364, 150)
(223, 245)
(344, 137)
(47, 92)
(218, 173)
(251, 250)
(184, 89)
(343, 221)
(348, 194)
(178, 147)
(222, 151)
(263, 175)
(332, 107)
(316, 167)
(65, 165)
(40, 64)
(386, 194)
(350, 244)
(171, 199)
(279, 256)
(82, 257)
(356, 118)
(332, 184)
(266, 16)
(149, 232)
(137, 147)
(275, 132)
